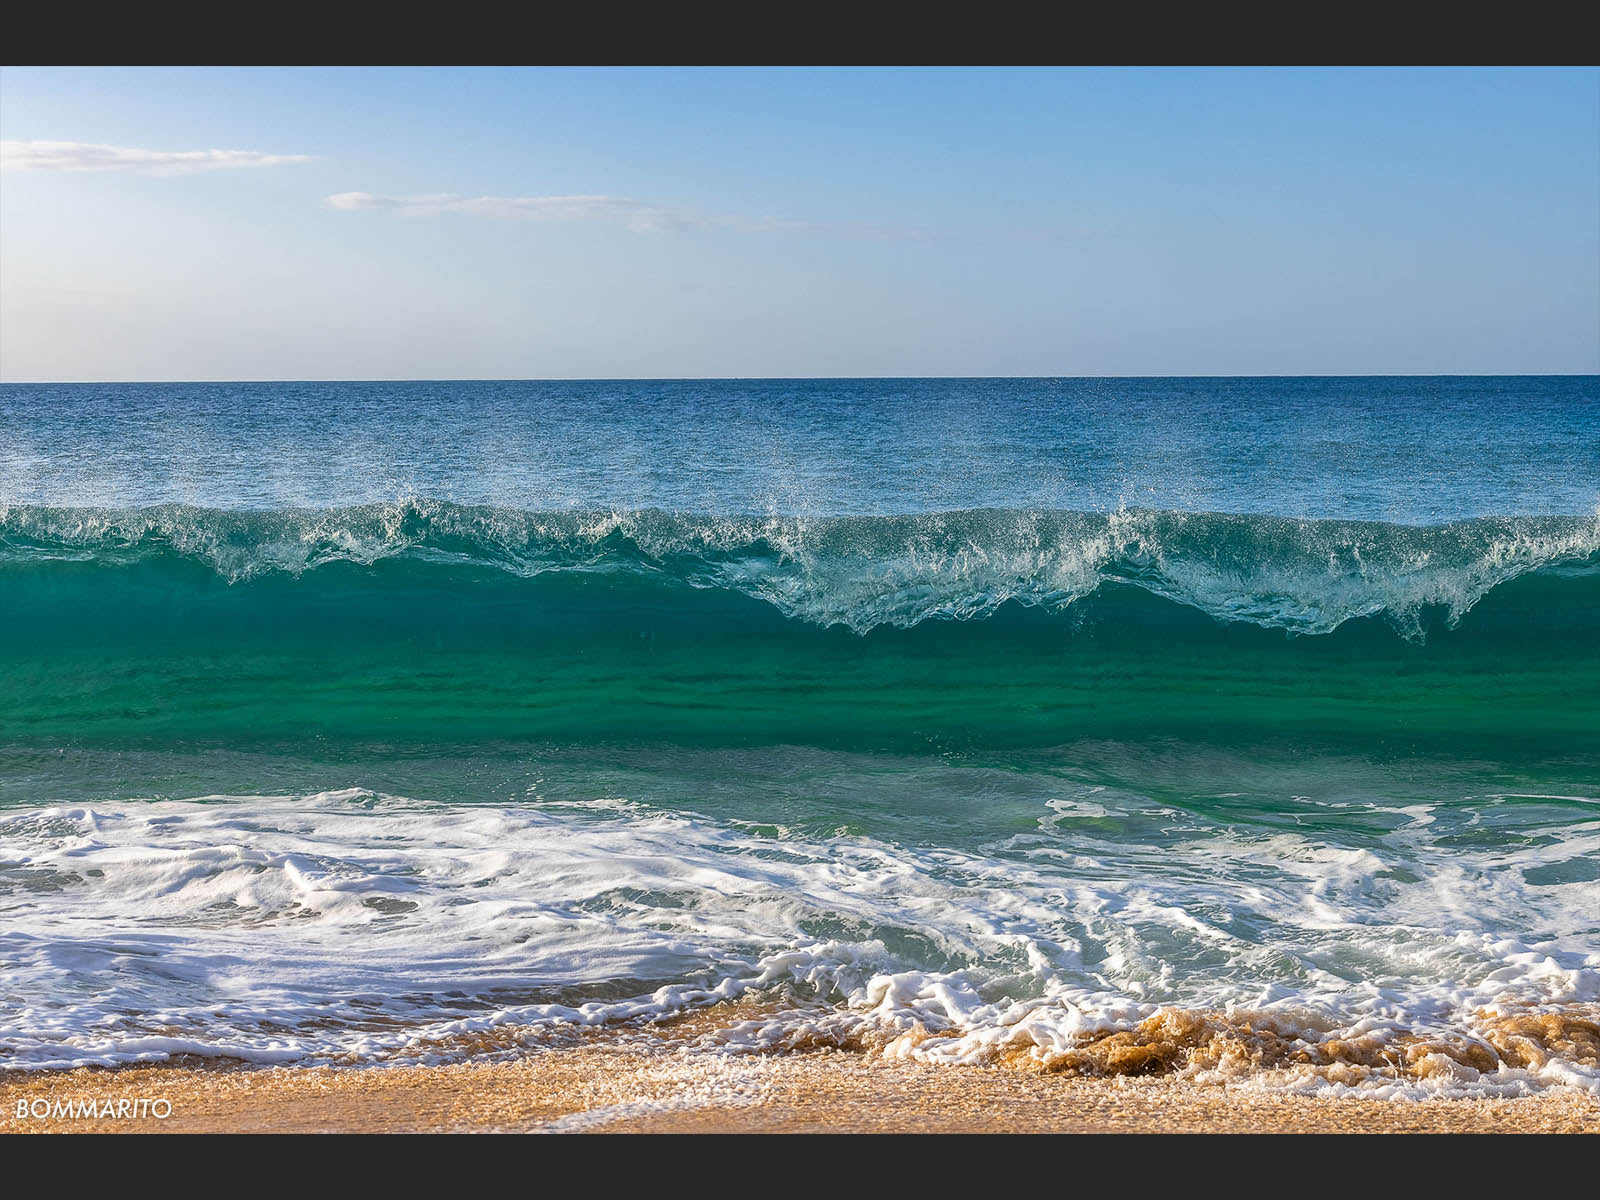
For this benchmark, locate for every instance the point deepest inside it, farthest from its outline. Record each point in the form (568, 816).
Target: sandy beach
(625, 1090)
(677, 1076)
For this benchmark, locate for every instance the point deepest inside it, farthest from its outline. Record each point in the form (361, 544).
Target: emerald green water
(413, 656)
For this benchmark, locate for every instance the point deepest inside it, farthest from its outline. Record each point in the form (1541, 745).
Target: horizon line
(813, 378)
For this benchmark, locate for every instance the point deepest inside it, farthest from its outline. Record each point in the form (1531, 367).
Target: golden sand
(669, 1076)
(613, 1089)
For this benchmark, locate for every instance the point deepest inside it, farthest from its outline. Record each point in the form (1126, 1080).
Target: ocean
(1242, 729)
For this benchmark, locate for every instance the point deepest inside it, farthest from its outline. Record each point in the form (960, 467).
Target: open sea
(1242, 729)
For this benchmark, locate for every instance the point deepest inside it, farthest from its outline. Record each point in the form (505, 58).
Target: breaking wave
(1304, 576)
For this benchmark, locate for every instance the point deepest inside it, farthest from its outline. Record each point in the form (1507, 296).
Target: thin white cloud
(88, 156)
(640, 216)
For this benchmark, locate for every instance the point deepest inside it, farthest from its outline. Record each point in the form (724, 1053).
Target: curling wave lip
(1305, 576)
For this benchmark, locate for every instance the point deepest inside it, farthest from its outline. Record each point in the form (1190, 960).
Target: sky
(268, 223)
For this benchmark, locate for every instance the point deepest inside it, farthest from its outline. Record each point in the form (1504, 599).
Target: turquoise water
(1010, 710)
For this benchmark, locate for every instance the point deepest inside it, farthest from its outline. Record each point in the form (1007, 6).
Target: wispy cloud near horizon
(90, 156)
(639, 216)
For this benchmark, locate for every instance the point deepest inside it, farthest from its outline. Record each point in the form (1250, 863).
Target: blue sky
(776, 222)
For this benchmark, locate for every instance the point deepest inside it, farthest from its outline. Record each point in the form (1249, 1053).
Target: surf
(1305, 576)
(1282, 956)
(427, 621)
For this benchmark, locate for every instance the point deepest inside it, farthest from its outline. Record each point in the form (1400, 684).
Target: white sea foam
(348, 926)
(1307, 576)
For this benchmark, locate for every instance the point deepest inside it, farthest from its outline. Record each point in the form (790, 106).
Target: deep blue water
(1404, 450)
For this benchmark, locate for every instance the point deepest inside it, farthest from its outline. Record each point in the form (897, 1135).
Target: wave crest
(1301, 575)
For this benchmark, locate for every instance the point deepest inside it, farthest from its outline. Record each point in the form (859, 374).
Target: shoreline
(624, 1089)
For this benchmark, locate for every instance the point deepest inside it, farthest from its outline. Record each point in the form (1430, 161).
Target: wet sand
(621, 1089)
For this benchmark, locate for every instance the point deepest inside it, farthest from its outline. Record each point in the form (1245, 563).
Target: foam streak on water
(350, 926)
